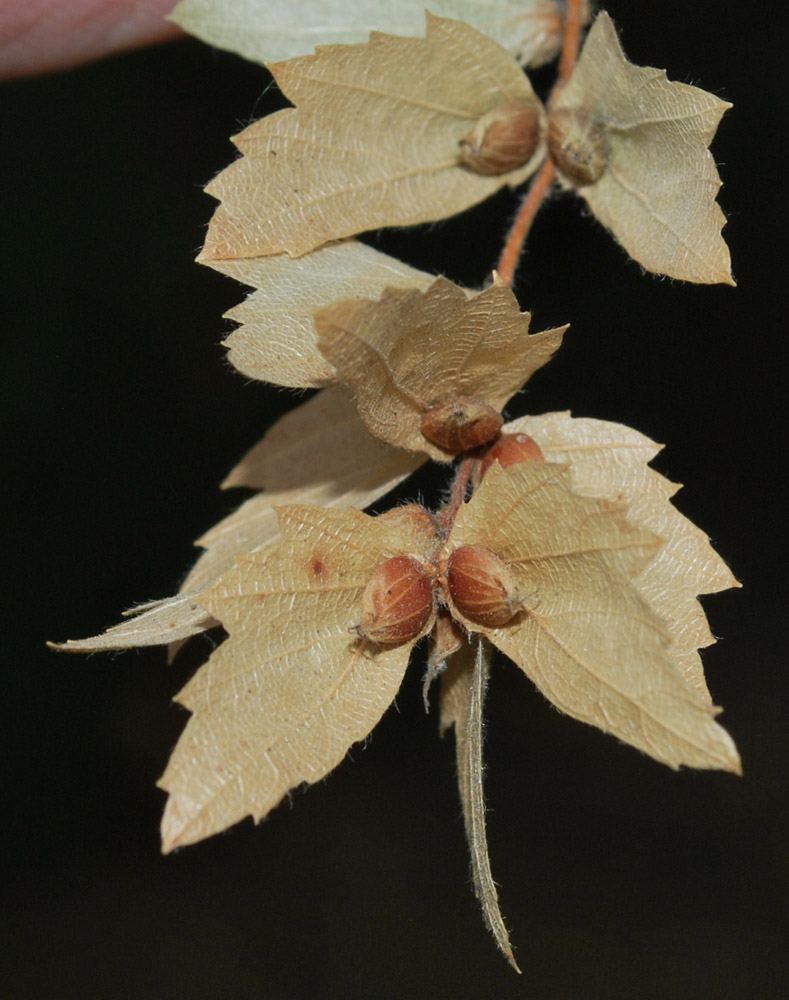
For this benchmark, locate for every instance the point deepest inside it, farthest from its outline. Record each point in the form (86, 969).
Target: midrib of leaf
(572, 553)
(375, 182)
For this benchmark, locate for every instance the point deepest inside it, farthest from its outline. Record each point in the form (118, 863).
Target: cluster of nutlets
(403, 595)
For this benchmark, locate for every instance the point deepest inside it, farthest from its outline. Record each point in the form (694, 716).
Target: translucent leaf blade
(409, 351)
(657, 192)
(609, 460)
(266, 31)
(293, 686)
(586, 637)
(374, 141)
(276, 341)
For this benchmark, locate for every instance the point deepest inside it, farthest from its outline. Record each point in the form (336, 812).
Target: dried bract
(589, 640)
(410, 353)
(373, 141)
(294, 686)
(268, 30)
(634, 146)
(609, 461)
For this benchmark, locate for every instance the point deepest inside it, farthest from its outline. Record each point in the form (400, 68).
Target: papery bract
(276, 341)
(634, 147)
(609, 460)
(269, 30)
(585, 636)
(410, 352)
(374, 140)
(281, 701)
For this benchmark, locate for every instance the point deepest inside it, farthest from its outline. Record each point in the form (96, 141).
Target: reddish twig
(572, 40)
(510, 255)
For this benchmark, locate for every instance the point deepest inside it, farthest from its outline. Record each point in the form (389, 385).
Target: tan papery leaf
(265, 30)
(374, 141)
(277, 341)
(634, 145)
(319, 453)
(410, 351)
(294, 686)
(609, 460)
(585, 635)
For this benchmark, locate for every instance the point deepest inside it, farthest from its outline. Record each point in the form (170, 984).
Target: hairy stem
(572, 40)
(541, 185)
(510, 255)
(469, 738)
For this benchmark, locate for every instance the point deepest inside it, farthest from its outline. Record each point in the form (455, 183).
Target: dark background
(619, 879)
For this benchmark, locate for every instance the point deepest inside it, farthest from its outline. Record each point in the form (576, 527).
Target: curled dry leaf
(424, 362)
(320, 453)
(172, 620)
(634, 146)
(374, 140)
(609, 460)
(277, 341)
(269, 30)
(585, 635)
(281, 701)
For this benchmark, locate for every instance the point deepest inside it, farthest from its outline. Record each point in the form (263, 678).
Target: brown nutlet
(461, 423)
(397, 602)
(482, 586)
(503, 139)
(577, 145)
